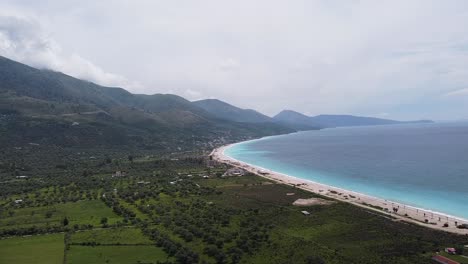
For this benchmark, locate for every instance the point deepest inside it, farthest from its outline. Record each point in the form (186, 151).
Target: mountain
(226, 111)
(295, 120)
(47, 107)
(350, 120)
(300, 121)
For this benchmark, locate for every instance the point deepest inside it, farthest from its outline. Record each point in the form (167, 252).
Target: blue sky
(393, 59)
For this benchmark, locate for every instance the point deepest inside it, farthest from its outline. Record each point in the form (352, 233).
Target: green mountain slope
(54, 108)
(226, 111)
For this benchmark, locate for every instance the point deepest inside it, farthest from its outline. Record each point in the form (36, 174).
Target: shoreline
(404, 212)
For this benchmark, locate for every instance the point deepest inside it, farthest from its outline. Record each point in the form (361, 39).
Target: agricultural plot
(41, 249)
(158, 213)
(111, 236)
(115, 254)
(81, 212)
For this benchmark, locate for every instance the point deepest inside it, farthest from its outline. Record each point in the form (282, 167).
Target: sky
(398, 59)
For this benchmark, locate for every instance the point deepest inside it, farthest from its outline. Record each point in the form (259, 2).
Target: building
(143, 182)
(443, 260)
(451, 251)
(306, 213)
(18, 201)
(119, 174)
(234, 172)
(21, 177)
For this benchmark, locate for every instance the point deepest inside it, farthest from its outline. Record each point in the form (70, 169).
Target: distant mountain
(350, 120)
(226, 111)
(295, 120)
(48, 107)
(302, 122)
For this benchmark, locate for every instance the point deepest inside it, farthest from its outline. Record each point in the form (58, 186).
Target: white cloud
(357, 57)
(459, 92)
(23, 39)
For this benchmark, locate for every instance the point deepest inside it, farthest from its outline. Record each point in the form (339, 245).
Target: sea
(421, 165)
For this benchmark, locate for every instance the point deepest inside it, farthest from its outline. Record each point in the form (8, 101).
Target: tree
(65, 221)
(48, 214)
(104, 221)
(314, 260)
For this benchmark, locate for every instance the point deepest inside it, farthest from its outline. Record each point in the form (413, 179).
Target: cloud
(23, 39)
(459, 92)
(354, 57)
(229, 64)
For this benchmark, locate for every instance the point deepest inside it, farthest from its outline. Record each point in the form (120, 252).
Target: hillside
(349, 120)
(302, 122)
(295, 120)
(226, 111)
(49, 107)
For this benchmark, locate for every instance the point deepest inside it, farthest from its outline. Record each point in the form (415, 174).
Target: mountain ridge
(227, 111)
(68, 111)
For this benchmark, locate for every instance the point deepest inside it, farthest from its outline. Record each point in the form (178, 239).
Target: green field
(114, 236)
(41, 249)
(81, 212)
(115, 254)
(245, 219)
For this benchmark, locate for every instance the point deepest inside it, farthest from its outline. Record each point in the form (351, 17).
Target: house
(451, 251)
(18, 201)
(119, 174)
(443, 260)
(306, 213)
(21, 177)
(143, 182)
(234, 172)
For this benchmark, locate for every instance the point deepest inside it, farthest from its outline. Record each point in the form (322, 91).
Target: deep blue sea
(423, 165)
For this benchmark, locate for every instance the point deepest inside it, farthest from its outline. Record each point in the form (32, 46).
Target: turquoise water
(425, 166)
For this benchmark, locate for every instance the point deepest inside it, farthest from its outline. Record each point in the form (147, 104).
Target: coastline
(406, 213)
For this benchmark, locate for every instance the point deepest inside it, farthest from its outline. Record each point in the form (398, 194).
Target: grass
(42, 249)
(81, 212)
(232, 181)
(115, 254)
(259, 196)
(458, 258)
(121, 235)
(337, 233)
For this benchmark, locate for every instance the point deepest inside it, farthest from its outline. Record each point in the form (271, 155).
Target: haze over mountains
(292, 119)
(54, 108)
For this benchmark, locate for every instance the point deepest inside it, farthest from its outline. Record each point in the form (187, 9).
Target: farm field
(123, 235)
(40, 249)
(166, 211)
(115, 254)
(81, 212)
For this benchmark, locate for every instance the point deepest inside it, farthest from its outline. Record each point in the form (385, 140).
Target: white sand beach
(398, 211)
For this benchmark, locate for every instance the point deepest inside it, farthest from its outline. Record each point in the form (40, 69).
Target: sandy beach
(398, 211)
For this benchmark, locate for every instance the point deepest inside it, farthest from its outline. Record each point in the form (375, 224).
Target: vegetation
(163, 210)
(116, 254)
(93, 174)
(41, 249)
(53, 109)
